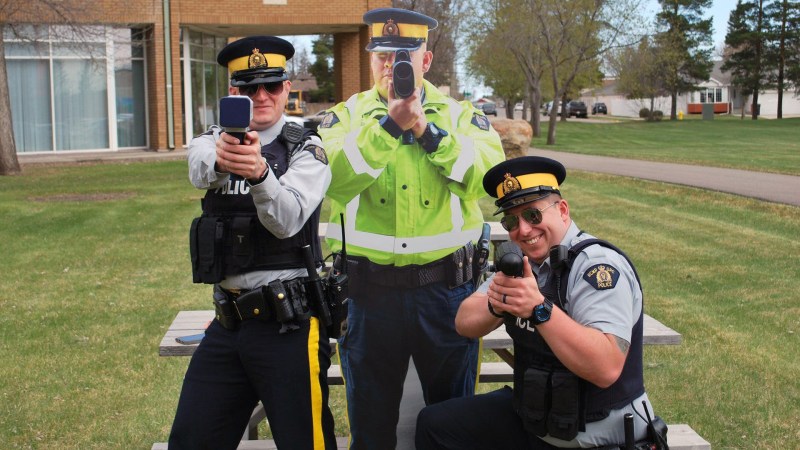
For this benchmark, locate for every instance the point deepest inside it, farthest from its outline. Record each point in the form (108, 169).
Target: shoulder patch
(480, 121)
(318, 152)
(329, 120)
(601, 276)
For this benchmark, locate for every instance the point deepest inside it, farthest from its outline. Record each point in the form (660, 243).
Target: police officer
(260, 209)
(407, 176)
(577, 332)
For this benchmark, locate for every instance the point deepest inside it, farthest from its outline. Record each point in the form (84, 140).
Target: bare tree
(14, 15)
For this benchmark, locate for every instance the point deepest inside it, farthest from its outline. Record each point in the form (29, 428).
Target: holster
(551, 403)
(206, 238)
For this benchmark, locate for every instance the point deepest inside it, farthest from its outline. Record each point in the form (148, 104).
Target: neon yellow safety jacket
(402, 205)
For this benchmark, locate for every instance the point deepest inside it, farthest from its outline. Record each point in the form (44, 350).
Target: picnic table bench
(680, 436)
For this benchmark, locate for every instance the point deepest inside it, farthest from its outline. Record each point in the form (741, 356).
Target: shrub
(644, 113)
(657, 116)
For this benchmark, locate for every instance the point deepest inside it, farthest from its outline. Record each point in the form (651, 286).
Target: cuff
(391, 127)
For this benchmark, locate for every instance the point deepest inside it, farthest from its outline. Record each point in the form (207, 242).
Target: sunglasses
(251, 90)
(531, 215)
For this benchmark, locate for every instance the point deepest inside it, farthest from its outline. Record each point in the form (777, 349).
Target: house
(717, 90)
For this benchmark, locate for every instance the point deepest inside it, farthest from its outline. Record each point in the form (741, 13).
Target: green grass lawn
(95, 267)
(761, 145)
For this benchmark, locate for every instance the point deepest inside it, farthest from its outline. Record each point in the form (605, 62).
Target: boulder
(515, 134)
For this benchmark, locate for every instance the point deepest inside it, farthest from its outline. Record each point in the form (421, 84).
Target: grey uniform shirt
(612, 311)
(283, 205)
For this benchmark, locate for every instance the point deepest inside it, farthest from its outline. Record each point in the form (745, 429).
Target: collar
(271, 133)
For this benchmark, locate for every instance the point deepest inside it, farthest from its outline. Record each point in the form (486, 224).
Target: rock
(515, 135)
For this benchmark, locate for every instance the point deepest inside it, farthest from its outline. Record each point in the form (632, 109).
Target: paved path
(766, 186)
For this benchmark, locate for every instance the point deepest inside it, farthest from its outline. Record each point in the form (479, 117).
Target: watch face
(542, 313)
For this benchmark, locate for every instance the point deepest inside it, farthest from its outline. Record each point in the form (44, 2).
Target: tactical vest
(547, 396)
(228, 239)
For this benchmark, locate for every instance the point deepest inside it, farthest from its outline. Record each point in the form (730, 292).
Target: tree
(745, 56)
(322, 69)
(573, 35)
(685, 42)
(639, 74)
(443, 40)
(783, 17)
(12, 14)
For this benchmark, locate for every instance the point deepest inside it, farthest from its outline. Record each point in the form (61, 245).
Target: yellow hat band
(409, 30)
(526, 181)
(249, 62)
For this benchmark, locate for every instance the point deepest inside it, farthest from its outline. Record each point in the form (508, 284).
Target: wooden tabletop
(194, 322)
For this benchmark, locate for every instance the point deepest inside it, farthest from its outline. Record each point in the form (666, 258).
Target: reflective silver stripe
(350, 144)
(466, 158)
(406, 245)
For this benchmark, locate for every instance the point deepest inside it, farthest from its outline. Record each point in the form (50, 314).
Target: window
(207, 81)
(710, 95)
(60, 88)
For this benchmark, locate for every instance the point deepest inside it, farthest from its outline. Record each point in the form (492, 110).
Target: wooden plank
(683, 437)
(193, 322)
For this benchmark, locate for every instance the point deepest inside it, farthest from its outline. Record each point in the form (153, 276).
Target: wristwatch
(431, 137)
(541, 312)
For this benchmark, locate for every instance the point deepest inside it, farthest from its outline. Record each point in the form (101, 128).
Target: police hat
(397, 29)
(523, 180)
(256, 59)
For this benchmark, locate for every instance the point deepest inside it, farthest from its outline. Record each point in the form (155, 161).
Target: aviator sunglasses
(531, 215)
(252, 89)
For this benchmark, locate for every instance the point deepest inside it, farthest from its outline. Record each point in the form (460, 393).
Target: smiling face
(381, 66)
(267, 108)
(535, 240)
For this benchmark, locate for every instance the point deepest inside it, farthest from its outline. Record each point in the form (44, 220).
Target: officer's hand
(406, 112)
(243, 159)
(516, 296)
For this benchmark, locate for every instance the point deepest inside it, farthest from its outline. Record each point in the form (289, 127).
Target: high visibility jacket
(402, 205)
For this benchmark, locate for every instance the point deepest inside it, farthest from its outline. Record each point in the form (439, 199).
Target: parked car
(599, 108)
(518, 107)
(489, 108)
(577, 108)
(548, 106)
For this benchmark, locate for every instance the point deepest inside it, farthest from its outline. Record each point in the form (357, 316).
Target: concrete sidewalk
(765, 186)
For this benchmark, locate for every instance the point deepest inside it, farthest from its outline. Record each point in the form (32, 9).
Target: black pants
(232, 370)
(482, 422)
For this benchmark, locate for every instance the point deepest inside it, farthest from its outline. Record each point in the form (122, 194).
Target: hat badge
(510, 184)
(390, 28)
(257, 59)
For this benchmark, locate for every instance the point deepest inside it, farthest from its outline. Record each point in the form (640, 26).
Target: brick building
(127, 86)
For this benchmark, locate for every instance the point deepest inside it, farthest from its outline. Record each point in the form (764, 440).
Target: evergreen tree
(685, 43)
(745, 52)
(322, 69)
(783, 17)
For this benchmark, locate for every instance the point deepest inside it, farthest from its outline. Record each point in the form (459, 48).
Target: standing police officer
(260, 209)
(407, 171)
(577, 332)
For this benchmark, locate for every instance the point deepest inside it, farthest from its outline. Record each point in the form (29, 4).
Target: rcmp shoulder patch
(480, 121)
(601, 276)
(318, 152)
(329, 120)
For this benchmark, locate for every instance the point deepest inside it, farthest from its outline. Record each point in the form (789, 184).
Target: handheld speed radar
(235, 114)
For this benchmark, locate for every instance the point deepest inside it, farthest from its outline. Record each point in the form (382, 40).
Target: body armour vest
(245, 244)
(548, 397)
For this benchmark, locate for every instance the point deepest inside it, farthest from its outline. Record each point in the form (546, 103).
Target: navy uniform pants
(482, 422)
(232, 370)
(386, 326)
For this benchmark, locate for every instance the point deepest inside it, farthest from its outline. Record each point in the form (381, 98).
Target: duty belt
(235, 306)
(455, 268)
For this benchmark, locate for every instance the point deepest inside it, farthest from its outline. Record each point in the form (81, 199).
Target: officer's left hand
(243, 159)
(516, 296)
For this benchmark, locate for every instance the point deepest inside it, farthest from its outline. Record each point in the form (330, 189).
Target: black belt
(233, 305)
(455, 268)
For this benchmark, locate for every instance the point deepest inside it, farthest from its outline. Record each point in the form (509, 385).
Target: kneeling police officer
(260, 214)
